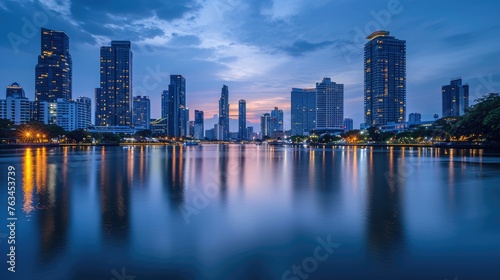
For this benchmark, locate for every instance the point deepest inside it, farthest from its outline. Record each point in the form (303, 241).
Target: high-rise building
(385, 79)
(71, 115)
(348, 124)
(114, 96)
(265, 122)
(303, 110)
(184, 122)
(242, 120)
(86, 112)
(164, 104)
(415, 118)
(276, 123)
(198, 125)
(224, 112)
(14, 91)
(329, 105)
(250, 132)
(15, 107)
(47, 112)
(455, 98)
(53, 73)
(142, 112)
(176, 107)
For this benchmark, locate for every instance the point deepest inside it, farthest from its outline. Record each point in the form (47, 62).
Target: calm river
(252, 212)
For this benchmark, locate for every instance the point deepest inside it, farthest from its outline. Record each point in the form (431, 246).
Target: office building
(348, 124)
(303, 111)
(14, 91)
(199, 126)
(53, 73)
(455, 98)
(15, 107)
(164, 104)
(224, 112)
(114, 96)
(265, 122)
(385, 79)
(176, 107)
(329, 105)
(242, 120)
(415, 118)
(70, 114)
(87, 111)
(276, 123)
(141, 112)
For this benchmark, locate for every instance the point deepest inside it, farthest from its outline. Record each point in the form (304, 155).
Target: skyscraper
(329, 105)
(53, 73)
(276, 123)
(224, 112)
(348, 124)
(14, 91)
(455, 98)
(385, 79)
(142, 112)
(176, 107)
(242, 120)
(114, 96)
(303, 110)
(264, 125)
(164, 104)
(198, 125)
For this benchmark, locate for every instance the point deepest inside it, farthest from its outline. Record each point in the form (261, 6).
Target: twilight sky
(261, 48)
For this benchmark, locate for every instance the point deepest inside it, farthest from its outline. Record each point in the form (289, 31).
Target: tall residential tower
(242, 120)
(224, 112)
(114, 96)
(385, 79)
(53, 73)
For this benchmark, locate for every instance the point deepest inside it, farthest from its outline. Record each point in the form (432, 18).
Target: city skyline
(207, 58)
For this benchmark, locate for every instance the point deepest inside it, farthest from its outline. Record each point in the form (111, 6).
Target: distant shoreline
(438, 145)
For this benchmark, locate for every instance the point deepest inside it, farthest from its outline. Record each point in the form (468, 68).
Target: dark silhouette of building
(455, 97)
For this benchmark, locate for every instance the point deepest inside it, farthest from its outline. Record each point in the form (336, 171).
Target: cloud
(301, 47)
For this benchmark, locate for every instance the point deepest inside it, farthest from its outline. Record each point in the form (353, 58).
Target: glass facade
(455, 98)
(242, 120)
(176, 107)
(224, 112)
(142, 112)
(385, 79)
(114, 97)
(303, 110)
(329, 105)
(53, 73)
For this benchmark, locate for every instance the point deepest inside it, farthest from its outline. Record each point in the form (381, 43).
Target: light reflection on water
(251, 212)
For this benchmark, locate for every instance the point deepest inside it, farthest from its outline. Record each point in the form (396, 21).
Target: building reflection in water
(386, 180)
(51, 200)
(175, 175)
(115, 190)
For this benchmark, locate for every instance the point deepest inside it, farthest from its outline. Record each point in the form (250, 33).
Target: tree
(352, 136)
(480, 122)
(6, 127)
(77, 136)
(373, 134)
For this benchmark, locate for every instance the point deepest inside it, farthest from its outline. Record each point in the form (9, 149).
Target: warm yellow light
(27, 134)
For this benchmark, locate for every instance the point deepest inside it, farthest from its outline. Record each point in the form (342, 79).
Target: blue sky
(260, 49)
